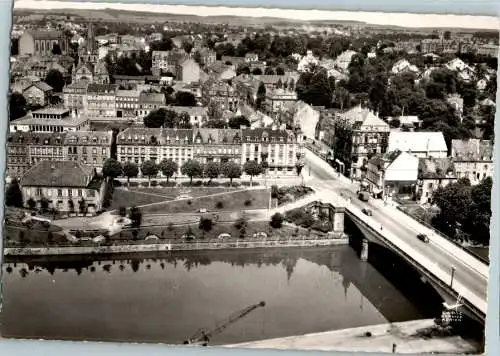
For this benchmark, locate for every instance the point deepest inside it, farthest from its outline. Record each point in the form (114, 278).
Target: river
(167, 298)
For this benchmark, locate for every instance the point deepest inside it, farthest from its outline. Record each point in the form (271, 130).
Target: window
(79, 192)
(70, 192)
(91, 193)
(59, 192)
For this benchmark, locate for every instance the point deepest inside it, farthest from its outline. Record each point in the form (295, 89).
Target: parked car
(367, 212)
(224, 235)
(188, 237)
(260, 235)
(423, 238)
(151, 237)
(364, 196)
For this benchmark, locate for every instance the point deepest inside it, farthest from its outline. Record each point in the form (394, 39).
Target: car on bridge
(367, 212)
(423, 238)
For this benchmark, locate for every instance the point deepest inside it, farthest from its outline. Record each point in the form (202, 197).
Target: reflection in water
(167, 297)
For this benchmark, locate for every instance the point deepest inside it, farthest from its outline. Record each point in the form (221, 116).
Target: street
(324, 180)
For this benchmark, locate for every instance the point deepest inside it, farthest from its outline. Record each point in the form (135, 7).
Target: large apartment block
(279, 148)
(26, 149)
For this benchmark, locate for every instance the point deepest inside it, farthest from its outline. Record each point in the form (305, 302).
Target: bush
(189, 202)
(134, 184)
(274, 191)
(240, 223)
(198, 183)
(117, 183)
(248, 202)
(205, 224)
(219, 205)
(154, 183)
(144, 184)
(276, 221)
(122, 211)
(168, 184)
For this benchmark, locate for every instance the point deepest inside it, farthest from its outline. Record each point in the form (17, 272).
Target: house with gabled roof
(433, 173)
(38, 93)
(421, 143)
(473, 159)
(67, 186)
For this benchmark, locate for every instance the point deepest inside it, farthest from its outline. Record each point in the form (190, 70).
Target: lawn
(194, 192)
(232, 201)
(129, 198)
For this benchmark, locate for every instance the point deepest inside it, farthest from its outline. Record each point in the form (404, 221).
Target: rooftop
(436, 168)
(417, 142)
(58, 174)
(472, 150)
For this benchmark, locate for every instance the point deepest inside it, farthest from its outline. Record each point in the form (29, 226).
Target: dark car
(423, 237)
(367, 212)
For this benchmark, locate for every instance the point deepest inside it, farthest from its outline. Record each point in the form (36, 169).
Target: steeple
(90, 39)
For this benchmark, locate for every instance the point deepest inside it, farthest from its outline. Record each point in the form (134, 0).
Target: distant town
(129, 137)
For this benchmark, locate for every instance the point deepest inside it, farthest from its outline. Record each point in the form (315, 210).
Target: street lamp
(453, 269)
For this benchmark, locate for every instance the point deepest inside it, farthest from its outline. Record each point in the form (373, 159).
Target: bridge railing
(437, 232)
(465, 297)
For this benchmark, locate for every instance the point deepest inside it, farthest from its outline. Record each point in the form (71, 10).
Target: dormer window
(281, 139)
(94, 139)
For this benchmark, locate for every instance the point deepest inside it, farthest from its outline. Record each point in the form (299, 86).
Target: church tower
(91, 39)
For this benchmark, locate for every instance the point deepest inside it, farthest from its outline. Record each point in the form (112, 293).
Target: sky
(434, 13)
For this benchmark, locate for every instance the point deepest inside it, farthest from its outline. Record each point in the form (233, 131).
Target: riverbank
(162, 247)
(413, 337)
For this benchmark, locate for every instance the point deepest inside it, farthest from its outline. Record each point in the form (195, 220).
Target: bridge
(451, 270)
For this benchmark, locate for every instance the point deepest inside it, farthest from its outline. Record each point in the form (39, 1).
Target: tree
(82, 206)
(257, 71)
(205, 224)
(122, 211)
(269, 71)
(192, 169)
(238, 121)
(135, 215)
(155, 118)
(31, 203)
(14, 195)
(150, 169)
(214, 111)
(17, 106)
(231, 170)
(478, 223)
(276, 221)
(261, 96)
(184, 121)
(185, 98)
(187, 46)
(130, 170)
(44, 204)
(168, 168)
(55, 79)
(112, 168)
(56, 49)
(280, 71)
(252, 168)
(212, 170)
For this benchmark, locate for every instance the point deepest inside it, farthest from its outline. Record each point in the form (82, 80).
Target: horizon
(401, 19)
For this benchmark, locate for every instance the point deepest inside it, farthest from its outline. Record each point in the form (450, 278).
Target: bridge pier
(364, 250)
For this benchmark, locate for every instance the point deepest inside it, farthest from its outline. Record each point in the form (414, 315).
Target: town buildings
(198, 115)
(149, 101)
(75, 97)
(421, 144)
(280, 148)
(187, 71)
(127, 103)
(25, 149)
(65, 186)
(473, 159)
(42, 42)
(101, 100)
(275, 100)
(49, 119)
(221, 93)
(38, 93)
(433, 173)
(392, 173)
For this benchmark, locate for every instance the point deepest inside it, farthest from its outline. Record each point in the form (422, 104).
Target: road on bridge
(325, 181)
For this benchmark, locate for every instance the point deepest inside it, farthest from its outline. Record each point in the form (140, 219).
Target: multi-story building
(127, 103)
(488, 50)
(18, 161)
(67, 186)
(88, 147)
(138, 145)
(221, 93)
(85, 71)
(473, 159)
(149, 102)
(433, 173)
(369, 137)
(50, 119)
(277, 99)
(187, 71)
(38, 93)
(421, 144)
(101, 100)
(166, 61)
(217, 145)
(207, 56)
(197, 114)
(75, 97)
(42, 42)
(281, 149)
